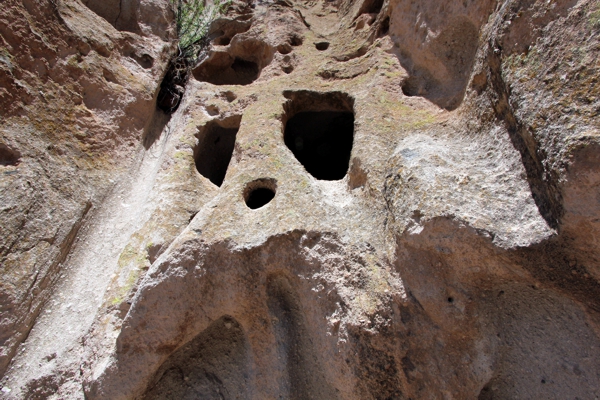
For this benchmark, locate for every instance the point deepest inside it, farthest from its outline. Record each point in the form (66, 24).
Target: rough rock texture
(213, 253)
(76, 99)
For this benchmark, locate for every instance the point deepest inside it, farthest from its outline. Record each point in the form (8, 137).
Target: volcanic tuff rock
(384, 199)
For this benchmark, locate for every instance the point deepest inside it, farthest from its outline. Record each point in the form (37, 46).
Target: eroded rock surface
(354, 199)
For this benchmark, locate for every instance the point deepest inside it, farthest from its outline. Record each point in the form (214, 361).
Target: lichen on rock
(359, 199)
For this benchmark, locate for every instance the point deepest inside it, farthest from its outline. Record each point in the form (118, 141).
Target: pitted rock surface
(357, 199)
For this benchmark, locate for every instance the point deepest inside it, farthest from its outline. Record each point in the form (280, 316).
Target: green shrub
(193, 19)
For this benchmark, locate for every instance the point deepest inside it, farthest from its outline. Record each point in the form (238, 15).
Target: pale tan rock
(229, 251)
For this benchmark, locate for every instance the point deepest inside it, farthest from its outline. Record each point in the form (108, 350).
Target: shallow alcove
(120, 14)
(284, 48)
(223, 69)
(260, 192)
(214, 363)
(319, 130)
(222, 41)
(384, 27)
(371, 7)
(213, 151)
(297, 353)
(443, 79)
(8, 156)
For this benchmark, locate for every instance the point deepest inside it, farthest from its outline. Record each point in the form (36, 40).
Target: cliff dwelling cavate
(212, 153)
(346, 241)
(259, 193)
(319, 130)
(223, 30)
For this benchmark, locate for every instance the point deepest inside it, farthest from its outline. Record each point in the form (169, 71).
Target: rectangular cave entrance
(216, 141)
(319, 130)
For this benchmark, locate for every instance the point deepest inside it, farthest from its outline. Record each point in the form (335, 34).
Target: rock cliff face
(355, 199)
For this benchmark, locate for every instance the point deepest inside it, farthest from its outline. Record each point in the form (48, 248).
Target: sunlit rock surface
(356, 200)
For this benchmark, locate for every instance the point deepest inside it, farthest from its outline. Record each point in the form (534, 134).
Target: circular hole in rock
(296, 41)
(322, 46)
(288, 69)
(285, 48)
(259, 193)
(146, 61)
(229, 96)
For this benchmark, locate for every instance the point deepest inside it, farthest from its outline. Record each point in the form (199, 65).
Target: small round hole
(322, 46)
(296, 41)
(259, 193)
(450, 300)
(285, 48)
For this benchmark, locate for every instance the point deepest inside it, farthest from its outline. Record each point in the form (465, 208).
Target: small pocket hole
(259, 193)
(322, 46)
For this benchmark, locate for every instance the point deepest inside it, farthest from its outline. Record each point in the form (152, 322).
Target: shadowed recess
(322, 46)
(321, 132)
(212, 154)
(8, 156)
(451, 57)
(370, 7)
(122, 14)
(213, 365)
(223, 69)
(260, 192)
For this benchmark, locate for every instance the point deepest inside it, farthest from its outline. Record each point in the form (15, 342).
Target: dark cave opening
(216, 141)
(384, 27)
(322, 142)
(260, 192)
(259, 198)
(371, 7)
(322, 46)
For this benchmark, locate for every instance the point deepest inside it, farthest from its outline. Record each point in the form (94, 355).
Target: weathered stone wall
(214, 253)
(76, 99)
